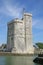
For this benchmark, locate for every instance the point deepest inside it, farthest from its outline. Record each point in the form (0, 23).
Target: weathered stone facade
(19, 37)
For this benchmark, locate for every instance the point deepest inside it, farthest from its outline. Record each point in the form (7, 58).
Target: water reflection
(8, 60)
(17, 60)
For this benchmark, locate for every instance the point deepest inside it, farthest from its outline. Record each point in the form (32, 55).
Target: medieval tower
(19, 36)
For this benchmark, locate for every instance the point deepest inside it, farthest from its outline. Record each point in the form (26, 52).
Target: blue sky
(10, 9)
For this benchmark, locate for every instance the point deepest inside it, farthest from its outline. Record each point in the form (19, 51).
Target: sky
(10, 9)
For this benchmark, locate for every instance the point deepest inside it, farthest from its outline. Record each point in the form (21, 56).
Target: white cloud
(11, 10)
(38, 23)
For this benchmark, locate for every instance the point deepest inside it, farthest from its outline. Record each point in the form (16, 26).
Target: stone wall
(20, 35)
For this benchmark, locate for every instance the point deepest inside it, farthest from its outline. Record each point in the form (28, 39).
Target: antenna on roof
(23, 12)
(23, 9)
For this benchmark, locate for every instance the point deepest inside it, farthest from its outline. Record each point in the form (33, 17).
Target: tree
(40, 45)
(4, 46)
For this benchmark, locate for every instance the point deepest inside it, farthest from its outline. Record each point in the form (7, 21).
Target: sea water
(17, 60)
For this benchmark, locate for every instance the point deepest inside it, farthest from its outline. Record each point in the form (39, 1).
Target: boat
(39, 59)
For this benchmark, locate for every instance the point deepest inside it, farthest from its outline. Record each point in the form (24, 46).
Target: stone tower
(28, 32)
(19, 38)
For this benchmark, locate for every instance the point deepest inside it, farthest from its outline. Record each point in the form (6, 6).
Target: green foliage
(40, 45)
(4, 46)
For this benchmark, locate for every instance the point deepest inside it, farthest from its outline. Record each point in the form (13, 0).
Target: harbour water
(17, 60)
